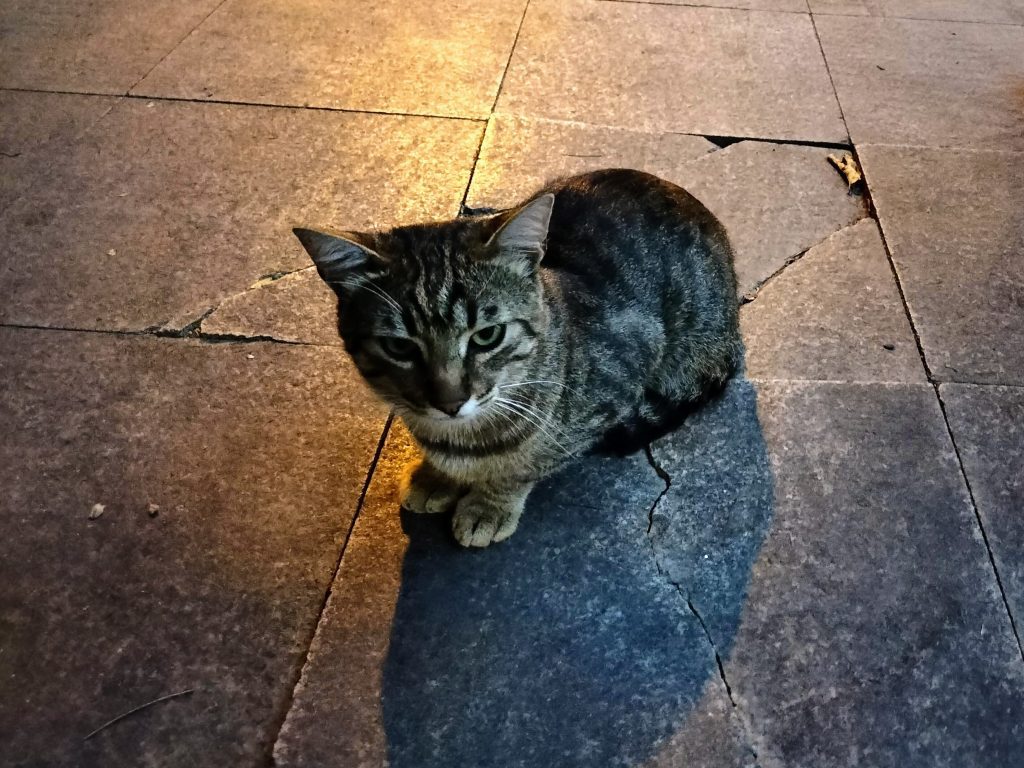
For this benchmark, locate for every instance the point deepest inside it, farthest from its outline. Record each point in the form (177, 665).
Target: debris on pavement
(97, 511)
(847, 166)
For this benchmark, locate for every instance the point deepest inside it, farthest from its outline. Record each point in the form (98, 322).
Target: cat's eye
(487, 338)
(398, 347)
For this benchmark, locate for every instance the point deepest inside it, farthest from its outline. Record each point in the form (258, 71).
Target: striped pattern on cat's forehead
(441, 280)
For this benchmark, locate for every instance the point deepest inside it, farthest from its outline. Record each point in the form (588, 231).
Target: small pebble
(250, 356)
(889, 346)
(97, 511)
(111, 252)
(153, 510)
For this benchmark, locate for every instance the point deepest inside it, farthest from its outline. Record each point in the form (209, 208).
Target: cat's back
(619, 228)
(619, 219)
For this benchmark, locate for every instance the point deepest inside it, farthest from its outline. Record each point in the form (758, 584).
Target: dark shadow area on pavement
(567, 644)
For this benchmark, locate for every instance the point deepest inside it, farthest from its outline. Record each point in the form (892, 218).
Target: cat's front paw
(423, 490)
(477, 523)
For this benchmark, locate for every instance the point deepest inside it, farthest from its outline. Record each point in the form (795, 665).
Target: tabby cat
(512, 342)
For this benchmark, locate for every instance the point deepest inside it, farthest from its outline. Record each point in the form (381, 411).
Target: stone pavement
(824, 568)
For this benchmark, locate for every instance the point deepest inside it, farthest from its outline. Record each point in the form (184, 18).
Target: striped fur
(618, 313)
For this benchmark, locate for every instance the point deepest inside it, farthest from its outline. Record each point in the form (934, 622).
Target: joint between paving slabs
(873, 212)
(666, 478)
(980, 522)
(300, 669)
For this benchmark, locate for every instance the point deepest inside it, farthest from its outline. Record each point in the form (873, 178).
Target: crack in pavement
(661, 472)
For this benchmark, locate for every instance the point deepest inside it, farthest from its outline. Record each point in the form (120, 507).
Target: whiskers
(361, 281)
(514, 407)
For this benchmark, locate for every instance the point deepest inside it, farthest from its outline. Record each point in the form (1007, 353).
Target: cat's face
(439, 318)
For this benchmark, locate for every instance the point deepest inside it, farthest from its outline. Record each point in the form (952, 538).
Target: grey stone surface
(255, 455)
(931, 83)
(98, 46)
(872, 631)
(519, 155)
(562, 646)
(37, 132)
(953, 221)
(988, 427)
(775, 200)
(792, 6)
(710, 71)
(835, 314)
(995, 11)
(409, 56)
(297, 307)
(166, 208)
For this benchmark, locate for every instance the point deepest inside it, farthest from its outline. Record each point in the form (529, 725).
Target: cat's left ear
(336, 256)
(519, 243)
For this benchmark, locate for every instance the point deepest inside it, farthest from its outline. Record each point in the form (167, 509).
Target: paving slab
(101, 47)
(254, 455)
(519, 155)
(953, 222)
(37, 131)
(792, 6)
(835, 314)
(872, 631)
(994, 11)
(988, 427)
(407, 56)
(297, 307)
(933, 83)
(775, 200)
(160, 212)
(710, 71)
(562, 646)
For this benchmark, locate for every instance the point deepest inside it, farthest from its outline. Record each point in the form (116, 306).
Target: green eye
(487, 338)
(398, 347)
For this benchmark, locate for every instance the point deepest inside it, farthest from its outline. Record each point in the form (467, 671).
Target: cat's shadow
(566, 645)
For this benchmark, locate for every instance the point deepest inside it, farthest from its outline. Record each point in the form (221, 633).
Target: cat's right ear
(336, 256)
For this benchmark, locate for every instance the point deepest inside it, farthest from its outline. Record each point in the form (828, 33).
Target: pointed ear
(336, 256)
(520, 240)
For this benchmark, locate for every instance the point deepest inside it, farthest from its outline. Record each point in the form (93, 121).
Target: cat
(594, 314)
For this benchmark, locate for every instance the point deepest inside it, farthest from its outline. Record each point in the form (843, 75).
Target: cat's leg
(489, 513)
(425, 489)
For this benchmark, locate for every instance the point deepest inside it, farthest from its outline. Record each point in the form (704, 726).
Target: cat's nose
(451, 407)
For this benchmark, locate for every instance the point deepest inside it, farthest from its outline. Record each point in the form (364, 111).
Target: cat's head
(437, 317)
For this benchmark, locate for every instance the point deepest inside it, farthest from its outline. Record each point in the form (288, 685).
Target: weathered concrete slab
(297, 307)
(166, 208)
(835, 314)
(792, 6)
(562, 645)
(988, 426)
(36, 133)
(710, 71)
(995, 11)
(255, 455)
(775, 200)
(519, 155)
(953, 221)
(872, 631)
(934, 83)
(101, 47)
(407, 56)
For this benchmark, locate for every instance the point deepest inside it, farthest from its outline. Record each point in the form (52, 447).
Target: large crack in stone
(706, 526)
